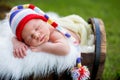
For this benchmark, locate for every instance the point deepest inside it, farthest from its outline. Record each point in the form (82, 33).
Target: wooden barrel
(95, 61)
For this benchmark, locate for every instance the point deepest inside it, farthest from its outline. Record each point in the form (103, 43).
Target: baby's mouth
(42, 38)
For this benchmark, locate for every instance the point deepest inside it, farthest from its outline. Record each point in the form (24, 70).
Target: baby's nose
(36, 35)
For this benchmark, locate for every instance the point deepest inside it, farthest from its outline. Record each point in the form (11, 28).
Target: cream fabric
(77, 25)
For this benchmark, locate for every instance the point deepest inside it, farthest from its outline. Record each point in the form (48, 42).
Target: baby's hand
(19, 49)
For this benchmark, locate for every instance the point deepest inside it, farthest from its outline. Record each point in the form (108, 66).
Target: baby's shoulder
(56, 34)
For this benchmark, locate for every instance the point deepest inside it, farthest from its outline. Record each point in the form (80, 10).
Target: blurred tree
(4, 8)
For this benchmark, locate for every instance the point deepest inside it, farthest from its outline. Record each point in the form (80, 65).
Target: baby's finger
(24, 51)
(17, 53)
(21, 54)
(26, 47)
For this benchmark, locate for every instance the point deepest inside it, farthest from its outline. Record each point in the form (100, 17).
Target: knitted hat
(20, 16)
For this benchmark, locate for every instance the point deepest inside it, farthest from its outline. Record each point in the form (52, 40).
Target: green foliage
(107, 10)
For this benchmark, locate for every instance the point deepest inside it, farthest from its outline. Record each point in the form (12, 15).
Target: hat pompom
(81, 73)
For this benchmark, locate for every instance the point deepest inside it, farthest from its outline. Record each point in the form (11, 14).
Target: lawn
(107, 10)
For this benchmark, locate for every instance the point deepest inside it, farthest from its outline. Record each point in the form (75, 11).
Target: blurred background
(107, 10)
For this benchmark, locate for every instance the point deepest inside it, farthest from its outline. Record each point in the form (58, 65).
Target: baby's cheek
(34, 43)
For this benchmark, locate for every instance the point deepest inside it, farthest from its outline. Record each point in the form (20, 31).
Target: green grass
(107, 10)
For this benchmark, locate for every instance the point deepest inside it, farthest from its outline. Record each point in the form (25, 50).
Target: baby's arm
(58, 45)
(19, 48)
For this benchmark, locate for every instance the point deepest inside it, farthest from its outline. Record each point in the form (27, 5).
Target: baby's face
(35, 32)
